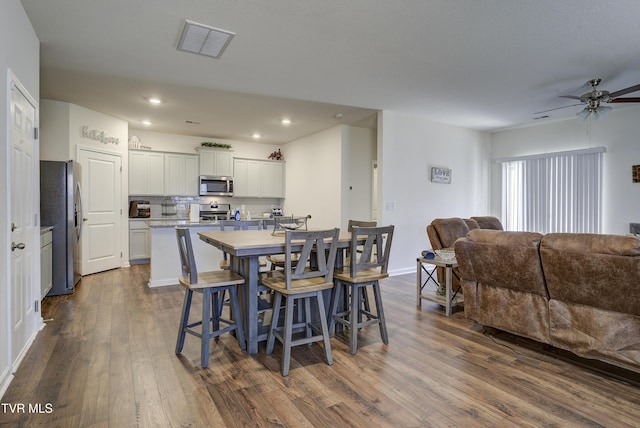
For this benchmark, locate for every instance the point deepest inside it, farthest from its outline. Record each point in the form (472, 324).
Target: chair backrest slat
(376, 248)
(317, 258)
(187, 259)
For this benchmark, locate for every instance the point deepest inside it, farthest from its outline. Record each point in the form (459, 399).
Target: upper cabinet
(158, 174)
(272, 179)
(258, 178)
(146, 173)
(216, 162)
(181, 174)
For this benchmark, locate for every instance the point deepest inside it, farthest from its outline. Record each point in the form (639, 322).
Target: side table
(448, 300)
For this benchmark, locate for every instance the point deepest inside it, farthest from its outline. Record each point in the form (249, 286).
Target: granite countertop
(181, 222)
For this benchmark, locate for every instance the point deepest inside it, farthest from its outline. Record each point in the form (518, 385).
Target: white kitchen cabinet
(146, 173)
(272, 179)
(46, 263)
(139, 242)
(257, 178)
(216, 162)
(180, 174)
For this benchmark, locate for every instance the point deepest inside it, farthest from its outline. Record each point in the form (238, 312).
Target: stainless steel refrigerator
(61, 208)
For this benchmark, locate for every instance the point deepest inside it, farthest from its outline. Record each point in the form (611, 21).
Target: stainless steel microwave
(216, 186)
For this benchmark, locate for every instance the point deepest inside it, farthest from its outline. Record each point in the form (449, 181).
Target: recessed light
(146, 122)
(339, 116)
(285, 121)
(155, 101)
(255, 135)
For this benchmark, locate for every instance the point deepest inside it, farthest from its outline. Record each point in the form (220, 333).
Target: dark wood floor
(106, 360)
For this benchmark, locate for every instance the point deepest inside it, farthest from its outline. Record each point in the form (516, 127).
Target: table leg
(419, 283)
(248, 295)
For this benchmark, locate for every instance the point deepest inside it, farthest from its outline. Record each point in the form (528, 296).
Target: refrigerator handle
(79, 212)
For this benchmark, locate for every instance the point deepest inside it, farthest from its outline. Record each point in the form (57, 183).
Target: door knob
(85, 219)
(19, 246)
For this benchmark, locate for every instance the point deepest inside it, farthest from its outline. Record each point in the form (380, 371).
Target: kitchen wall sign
(96, 135)
(440, 175)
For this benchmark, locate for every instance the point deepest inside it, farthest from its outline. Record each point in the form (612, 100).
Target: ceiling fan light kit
(595, 97)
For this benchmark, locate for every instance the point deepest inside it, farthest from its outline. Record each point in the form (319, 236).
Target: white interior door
(101, 243)
(25, 249)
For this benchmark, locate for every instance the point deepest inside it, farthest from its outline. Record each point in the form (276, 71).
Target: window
(556, 192)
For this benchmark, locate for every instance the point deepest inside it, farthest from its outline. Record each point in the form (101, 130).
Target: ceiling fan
(595, 97)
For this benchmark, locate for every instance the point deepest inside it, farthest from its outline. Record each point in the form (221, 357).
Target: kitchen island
(165, 261)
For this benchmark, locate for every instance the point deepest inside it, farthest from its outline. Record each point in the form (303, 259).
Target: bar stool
(213, 286)
(366, 270)
(302, 283)
(239, 225)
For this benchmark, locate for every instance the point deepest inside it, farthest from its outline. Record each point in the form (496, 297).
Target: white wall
(61, 131)
(407, 147)
(314, 176)
(19, 52)
(54, 130)
(359, 150)
(618, 132)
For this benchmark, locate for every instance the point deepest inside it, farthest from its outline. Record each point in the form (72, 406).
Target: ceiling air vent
(204, 40)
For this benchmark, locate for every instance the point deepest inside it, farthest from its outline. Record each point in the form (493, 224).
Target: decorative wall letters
(101, 136)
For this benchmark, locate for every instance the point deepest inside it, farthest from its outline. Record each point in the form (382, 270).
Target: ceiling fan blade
(558, 108)
(626, 100)
(624, 91)
(573, 97)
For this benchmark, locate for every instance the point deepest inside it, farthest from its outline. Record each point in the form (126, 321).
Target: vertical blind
(555, 192)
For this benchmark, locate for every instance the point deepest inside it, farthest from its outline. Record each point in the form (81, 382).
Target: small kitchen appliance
(139, 209)
(216, 186)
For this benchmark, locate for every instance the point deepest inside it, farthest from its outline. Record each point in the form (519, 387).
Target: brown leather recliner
(442, 233)
(488, 222)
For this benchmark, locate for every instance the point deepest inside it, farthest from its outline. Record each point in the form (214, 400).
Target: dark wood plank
(107, 360)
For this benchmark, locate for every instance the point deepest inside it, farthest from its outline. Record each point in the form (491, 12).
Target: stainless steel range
(215, 211)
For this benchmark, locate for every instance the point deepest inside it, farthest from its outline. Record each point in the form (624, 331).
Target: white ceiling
(480, 64)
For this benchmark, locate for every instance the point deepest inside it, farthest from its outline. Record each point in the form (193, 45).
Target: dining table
(244, 248)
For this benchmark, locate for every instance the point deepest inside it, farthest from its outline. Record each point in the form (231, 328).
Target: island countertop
(181, 222)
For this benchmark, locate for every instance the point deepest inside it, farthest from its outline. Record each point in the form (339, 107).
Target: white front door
(25, 249)
(101, 243)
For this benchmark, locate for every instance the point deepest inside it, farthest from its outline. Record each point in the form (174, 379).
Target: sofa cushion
(488, 222)
(502, 259)
(593, 270)
(450, 229)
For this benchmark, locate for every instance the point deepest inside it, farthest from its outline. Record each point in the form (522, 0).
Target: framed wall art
(440, 175)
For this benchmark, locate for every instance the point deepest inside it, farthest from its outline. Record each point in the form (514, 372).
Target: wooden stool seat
(277, 260)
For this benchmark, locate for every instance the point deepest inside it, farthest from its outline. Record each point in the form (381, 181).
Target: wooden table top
(255, 242)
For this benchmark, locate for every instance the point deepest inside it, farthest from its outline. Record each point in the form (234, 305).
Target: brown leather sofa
(443, 232)
(577, 292)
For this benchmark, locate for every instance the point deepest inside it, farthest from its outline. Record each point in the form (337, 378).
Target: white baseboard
(402, 271)
(5, 380)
